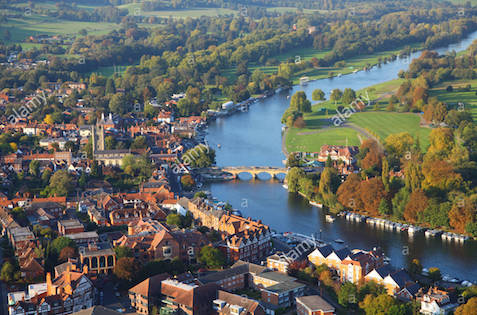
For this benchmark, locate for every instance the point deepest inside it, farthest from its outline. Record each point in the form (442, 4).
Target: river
(254, 138)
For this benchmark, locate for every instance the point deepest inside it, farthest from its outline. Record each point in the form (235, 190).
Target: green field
(135, 9)
(469, 99)
(33, 25)
(295, 142)
(318, 130)
(384, 124)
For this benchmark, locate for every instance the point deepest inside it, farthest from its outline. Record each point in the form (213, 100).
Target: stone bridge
(254, 170)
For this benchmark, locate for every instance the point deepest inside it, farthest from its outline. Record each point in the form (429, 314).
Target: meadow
(458, 95)
(375, 121)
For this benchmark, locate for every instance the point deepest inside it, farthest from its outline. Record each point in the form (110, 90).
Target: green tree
(60, 243)
(118, 103)
(348, 294)
(34, 168)
(8, 272)
(435, 274)
(122, 251)
(336, 95)
(212, 257)
(384, 208)
(318, 95)
(293, 177)
(329, 181)
(61, 183)
(174, 219)
(300, 103)
(349, 95)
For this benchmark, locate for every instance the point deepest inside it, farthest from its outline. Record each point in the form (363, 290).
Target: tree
(174, 219)
(126, 268)
(348, 294)
(349, 192)
(200, 156)
(300, 103)
(212, 257)
(418, 202)
(384, 208)
(67, 252)
(399, 144)
(435, 274)
(349, 95)
(8, 272)
(60, 243)
(61, 183)
(318, 95)
(439, 174)
(462, 213)
(467, 308)
(329, 181)
(34, 168)
(399, 203)
(336, 95)
(118, 104)
(293, 177)
(49, 119)
(441, 142)
(123, 251)
(415, 267)
(187, 182)
(382, 304)
(372, 191)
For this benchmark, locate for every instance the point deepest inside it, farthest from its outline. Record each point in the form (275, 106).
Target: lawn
(318, 131)
(384, 124)
(22, 28)
(135, 9)
(306, 140)
(458, 95)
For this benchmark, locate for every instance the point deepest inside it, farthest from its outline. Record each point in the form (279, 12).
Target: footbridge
(254, 170)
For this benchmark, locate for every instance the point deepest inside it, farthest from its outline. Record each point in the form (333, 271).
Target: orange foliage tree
(462, 212)
(348, 193)
(372, 191)
(418, 202)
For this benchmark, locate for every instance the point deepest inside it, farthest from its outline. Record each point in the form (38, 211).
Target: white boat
(316, 204)
(339, 75)
(355, 71)
(340, 241)
(329, 218)
(285, 186)
(218, 145)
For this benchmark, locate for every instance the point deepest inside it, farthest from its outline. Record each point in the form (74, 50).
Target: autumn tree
(372, 191)
(66, 253)
(418, 202)
(439, 174)
(399, 144)
(126, 268)
(373, 157)
(441, 142)
(468, 308)
(462, 213)
(349, 192)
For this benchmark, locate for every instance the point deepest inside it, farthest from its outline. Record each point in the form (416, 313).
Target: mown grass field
(384, 124)
(296, 141)
(458, 95)
(318, 130)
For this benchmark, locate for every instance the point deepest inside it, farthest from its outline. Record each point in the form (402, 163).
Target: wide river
(254, 138)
